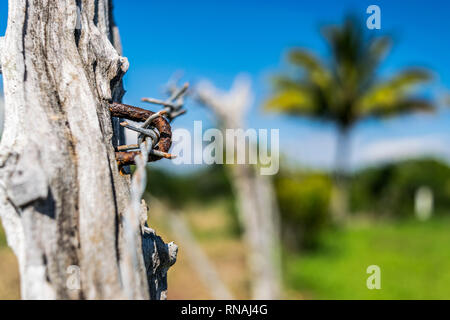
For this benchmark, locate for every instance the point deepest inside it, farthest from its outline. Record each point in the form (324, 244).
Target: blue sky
(219, 39)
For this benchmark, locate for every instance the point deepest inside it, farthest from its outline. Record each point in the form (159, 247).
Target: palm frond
(346, 41)
(406, 79)
(316, 71)
(376, 50)
(281, 82)
(402, 106)
(293, 101)
(388, 96)
(346, 89)
(379, 47)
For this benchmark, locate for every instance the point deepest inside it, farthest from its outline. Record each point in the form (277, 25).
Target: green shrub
(177, 190)
(304, 201)
(390, 189)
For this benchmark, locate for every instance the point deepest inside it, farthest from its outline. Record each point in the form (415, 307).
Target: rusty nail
(127, 147)
(153, 117)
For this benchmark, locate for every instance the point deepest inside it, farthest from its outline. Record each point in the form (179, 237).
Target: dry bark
(62, 199)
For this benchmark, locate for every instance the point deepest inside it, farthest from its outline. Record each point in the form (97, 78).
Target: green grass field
(414, 258)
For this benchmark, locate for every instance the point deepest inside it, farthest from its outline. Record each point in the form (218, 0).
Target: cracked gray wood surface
(62, 199)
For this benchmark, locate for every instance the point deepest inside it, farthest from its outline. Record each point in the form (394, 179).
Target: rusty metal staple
(141, 115)
(152, 144)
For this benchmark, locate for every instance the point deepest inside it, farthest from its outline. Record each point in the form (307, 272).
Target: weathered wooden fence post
(257, 205)
(63, 202)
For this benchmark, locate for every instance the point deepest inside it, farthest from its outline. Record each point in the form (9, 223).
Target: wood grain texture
(62, 199)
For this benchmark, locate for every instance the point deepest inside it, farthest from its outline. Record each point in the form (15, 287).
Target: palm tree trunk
(339, 203)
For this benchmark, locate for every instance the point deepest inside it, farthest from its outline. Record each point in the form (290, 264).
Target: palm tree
(347, 89)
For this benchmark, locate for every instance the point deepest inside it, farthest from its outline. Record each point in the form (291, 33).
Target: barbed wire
(148, 138)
